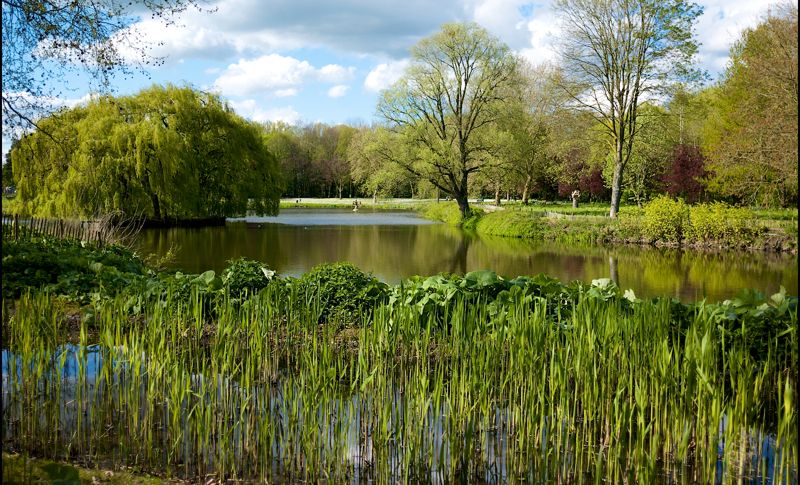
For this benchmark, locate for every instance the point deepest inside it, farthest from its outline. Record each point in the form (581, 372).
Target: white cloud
(334, 73)
(274, 73)
(250, 109)
(542, 34)
(250, 28)
(187, 38)
(721, 25)
(285, 93)
(338, 91)
(262, 74)
(503, 18)
(385, 74)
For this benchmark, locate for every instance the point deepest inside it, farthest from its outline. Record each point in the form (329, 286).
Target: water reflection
(89, 399)
(394, 246)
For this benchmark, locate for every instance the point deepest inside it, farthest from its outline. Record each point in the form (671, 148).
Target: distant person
(576, 194)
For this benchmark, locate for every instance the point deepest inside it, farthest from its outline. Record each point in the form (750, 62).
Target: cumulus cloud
(250, 109)
(721, 25)
(334, 73)
(231, 28)
(506, 19)
(338, 91)
(285, 93)
(385, 74)
(176, 42)
(275, 74)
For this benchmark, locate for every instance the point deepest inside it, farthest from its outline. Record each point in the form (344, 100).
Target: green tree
(527, 126)
(650, 154)
(447, 101)
(751, 135)
(373, 169)
(164, 153)
(618, 53)
(285, 143)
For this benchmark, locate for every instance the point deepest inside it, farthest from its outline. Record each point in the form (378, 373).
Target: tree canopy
(447, 102)
(752, 131)
(616, 54)
(164, 153)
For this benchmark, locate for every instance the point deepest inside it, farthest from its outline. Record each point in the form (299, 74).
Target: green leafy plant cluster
(719, 221)
(438, 296)
(343, 290)
(68, 267)
(246, 277)
(665, 219)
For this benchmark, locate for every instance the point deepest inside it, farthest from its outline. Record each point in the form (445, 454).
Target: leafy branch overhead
(44, 40)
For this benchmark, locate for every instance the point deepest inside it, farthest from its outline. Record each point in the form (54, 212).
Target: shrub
(720, 222)
(665, 219)
(245, 277)
(343, 290)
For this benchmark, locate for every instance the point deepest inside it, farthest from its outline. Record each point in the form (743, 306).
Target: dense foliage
(752, 128)
(164, 153)
(343, 290)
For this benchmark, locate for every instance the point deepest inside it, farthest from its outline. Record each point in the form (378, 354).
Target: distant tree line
(468, 119)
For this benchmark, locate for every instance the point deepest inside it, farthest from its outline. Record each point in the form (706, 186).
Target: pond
(397, 245)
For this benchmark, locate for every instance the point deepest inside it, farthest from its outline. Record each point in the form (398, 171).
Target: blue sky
(320, 60)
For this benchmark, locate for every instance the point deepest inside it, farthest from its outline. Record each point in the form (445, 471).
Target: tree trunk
(525, 190)
(460, 194)
(612, 267)
(156, 206)
(463, 204)
(375, 196)
(497, 194)
(616, 187)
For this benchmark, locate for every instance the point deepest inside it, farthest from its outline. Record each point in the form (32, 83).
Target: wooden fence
(16, 228)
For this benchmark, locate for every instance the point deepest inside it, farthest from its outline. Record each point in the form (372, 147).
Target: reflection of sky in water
(92, 361)
(350, 409)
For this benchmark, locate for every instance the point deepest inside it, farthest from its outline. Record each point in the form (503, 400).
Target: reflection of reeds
(263, 392)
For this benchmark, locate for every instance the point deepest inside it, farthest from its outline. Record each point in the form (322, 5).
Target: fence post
(16, 226)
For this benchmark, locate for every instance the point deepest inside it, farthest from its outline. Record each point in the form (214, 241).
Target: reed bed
(259, 390)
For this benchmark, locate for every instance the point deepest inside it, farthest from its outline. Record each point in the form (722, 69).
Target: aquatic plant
(494, 380)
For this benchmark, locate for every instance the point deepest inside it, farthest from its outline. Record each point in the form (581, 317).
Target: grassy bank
(661, 223)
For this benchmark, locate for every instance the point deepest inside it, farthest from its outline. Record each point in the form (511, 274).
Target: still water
(396, 245)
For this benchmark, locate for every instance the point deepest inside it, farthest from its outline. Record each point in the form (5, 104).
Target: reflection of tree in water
(393, 253)
(612, 269)
(458, 261)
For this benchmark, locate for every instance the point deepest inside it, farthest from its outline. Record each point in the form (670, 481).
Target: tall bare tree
(446, 103)
(619, 53)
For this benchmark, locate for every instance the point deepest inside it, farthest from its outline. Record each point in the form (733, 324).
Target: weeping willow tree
(164, 153)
